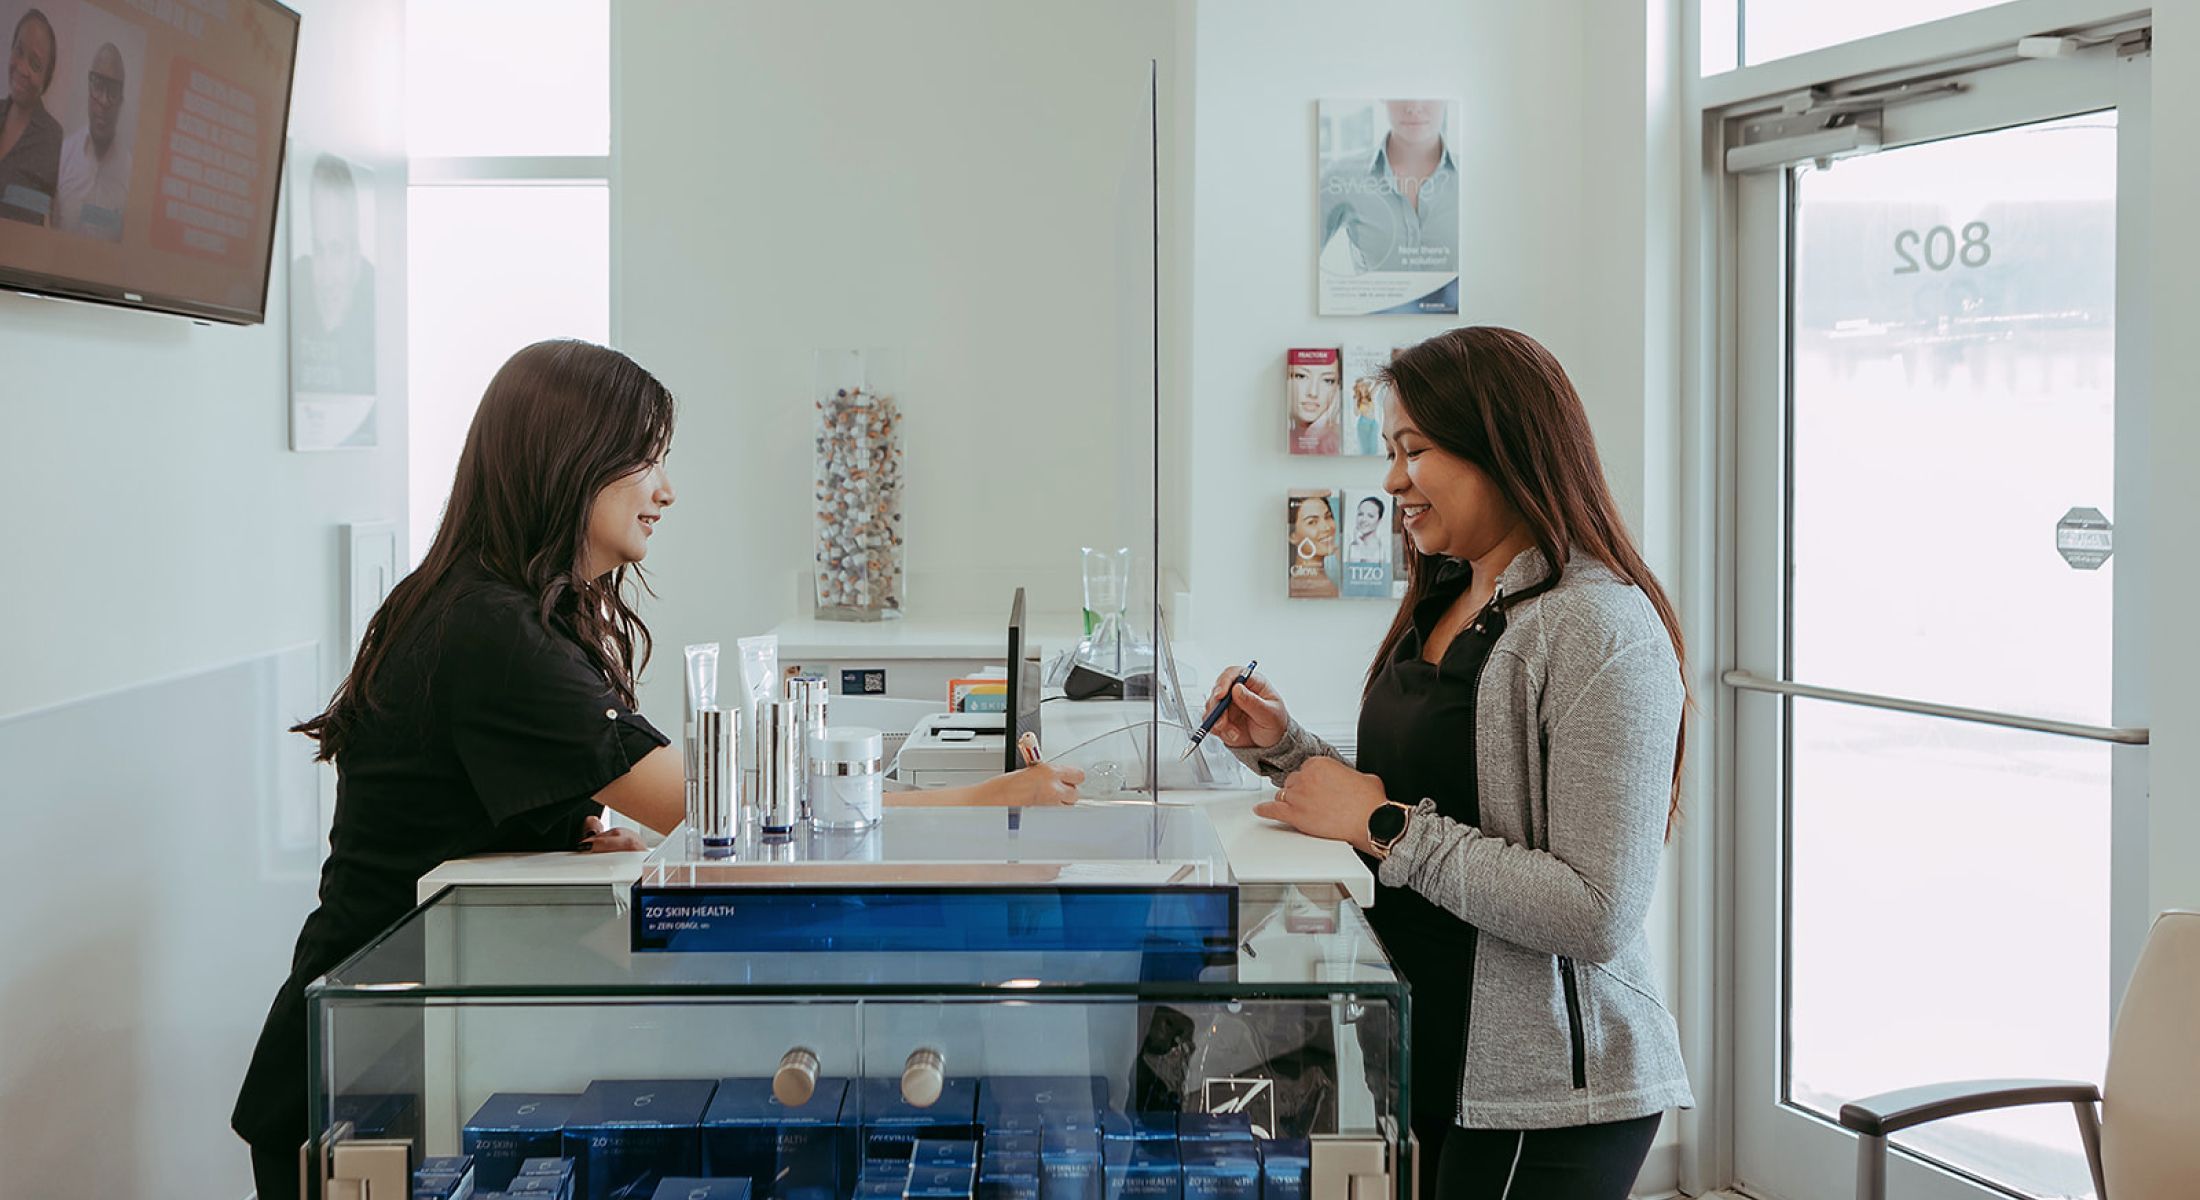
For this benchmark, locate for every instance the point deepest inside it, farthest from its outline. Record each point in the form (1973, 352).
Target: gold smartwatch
(1386, 825)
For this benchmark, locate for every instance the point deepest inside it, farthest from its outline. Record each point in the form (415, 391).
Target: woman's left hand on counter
(599, 840)
(1326, 799)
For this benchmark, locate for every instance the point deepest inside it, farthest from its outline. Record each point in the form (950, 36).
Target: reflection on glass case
(513, 1040)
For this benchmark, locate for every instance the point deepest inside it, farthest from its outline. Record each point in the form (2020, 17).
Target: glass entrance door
(1937, 717)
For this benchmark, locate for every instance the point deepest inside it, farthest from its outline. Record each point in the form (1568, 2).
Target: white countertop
(1259, 851)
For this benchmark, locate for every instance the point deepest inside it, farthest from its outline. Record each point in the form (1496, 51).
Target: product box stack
(996, 1138)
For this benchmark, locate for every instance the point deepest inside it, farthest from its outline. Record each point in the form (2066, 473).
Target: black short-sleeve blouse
(491, 733)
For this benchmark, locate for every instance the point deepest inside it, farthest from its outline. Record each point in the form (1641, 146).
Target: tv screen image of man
(95, 161)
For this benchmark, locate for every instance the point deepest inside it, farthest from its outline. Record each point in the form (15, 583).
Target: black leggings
(1583, 1162)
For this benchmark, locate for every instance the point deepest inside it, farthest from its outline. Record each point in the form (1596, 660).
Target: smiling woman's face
(1451, 506)
(622, 518)
(1314, 529)
(30, 63)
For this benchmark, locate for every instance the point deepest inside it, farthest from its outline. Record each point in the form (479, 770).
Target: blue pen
(1222, 705)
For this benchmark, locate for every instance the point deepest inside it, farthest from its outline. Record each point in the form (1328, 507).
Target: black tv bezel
(34, 283)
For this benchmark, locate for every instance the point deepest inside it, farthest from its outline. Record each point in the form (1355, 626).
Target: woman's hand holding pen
(1326, 799)
(1256, 717)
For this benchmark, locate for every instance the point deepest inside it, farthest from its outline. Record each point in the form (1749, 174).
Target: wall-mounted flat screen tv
(141, 151)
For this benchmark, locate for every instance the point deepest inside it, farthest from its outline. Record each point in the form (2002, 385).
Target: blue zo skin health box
(702, 1189)
(624, 1132)
(510, 1128)
(943, 1152)
(547, 1166)
(1284, 1163)
(1025, 1120)
(941, 1183)
(1148, 1171)
(1214, 1127)
(444, 1177)
(1069, 1164)
(1220, 1170)
(443, 1185)
(891, 1125)
(1122, 1134)
(1010, 1144)
(873, 1187)
(1009, 1177)
(781, 1151)
(539, 1187)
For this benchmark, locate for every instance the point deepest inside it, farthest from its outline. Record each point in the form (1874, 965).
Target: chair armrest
(1891, 1112)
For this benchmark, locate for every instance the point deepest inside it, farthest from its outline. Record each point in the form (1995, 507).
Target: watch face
(1386, 823)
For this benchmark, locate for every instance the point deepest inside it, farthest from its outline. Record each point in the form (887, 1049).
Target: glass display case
(942, 1027)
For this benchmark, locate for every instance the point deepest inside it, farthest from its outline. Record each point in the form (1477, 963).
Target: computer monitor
(1021, 712)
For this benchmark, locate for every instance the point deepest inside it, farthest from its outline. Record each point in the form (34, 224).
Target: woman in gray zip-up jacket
(1520, 741)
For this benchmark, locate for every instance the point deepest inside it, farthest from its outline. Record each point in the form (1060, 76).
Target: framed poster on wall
(1387, 205)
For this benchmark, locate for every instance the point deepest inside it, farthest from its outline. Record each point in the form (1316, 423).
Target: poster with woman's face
(1363, 399)
(1388, 205)
(1367, 545)
(1314, 572)
(1313, 394)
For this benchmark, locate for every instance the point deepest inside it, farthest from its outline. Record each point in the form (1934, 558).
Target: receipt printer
(952, 749)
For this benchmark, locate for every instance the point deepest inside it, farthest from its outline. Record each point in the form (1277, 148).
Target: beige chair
(2144, 1144)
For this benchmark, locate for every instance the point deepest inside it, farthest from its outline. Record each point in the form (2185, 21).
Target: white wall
(157, 526)
(1260, 67)
(964, 182)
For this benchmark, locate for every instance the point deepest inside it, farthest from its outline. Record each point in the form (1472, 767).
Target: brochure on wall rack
(1367, 545)
(1312, 393)
(1313, 571)
(1363, 399)
(1388, 207)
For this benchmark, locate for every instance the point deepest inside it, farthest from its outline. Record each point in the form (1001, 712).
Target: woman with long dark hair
(492, 703)
(1520, 743)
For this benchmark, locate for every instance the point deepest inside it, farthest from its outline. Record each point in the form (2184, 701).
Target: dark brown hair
(560, 421)
(1496, 398)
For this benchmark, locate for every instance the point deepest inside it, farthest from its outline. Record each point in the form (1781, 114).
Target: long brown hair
(1496, 398)
(560, 421)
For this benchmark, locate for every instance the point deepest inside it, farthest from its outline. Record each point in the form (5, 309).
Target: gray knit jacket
(1576, 715)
